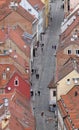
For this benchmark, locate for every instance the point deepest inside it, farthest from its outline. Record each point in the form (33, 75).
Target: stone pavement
(44, 63)
(37, 64)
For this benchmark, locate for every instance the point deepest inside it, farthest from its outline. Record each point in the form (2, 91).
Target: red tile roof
(8, 69)
(2, 2)
(52, 84)
(19, 42)
(6, 59)
(25, 14)
(16, 37)
(71, 107)
(21, 116)
(23, 85)
(67, 68)
(4, 12)
(70, 28)
(70, 40)
(19, 59)
(36, 3)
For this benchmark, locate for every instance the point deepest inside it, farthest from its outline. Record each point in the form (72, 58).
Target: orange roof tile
(21, 113)
(25, 14)
(70, 28)
(67, 68)
(19, 42)
(70, 100)
(19, 59)
(70, 40)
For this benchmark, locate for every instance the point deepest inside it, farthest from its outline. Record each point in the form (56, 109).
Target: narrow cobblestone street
(44, 63)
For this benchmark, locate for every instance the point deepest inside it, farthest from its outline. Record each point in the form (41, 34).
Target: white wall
(39, 15)
(52, 99)
(25, 4)
(60, 121)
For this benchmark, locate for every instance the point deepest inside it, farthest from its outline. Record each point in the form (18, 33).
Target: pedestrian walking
(42, 49)
(51, 18)
(52, 46)
(38, 93)
(31, 91)
(55, 47)
(42, 114)
(35, 93)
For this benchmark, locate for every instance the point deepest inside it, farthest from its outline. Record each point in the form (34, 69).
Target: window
(54, 105)
(69, 51)
(77, 51)
(68, 81)
(54, 93)
(75, 80)
(16, 81)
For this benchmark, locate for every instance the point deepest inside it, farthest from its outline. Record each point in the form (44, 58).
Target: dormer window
(68, 81)
(16, 81)
(54, 93)
(69, 51)
(76, 80)
(77, 52)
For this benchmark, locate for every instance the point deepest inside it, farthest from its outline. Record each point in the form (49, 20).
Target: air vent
(72, 39)
(9, 88)
(25, 46)
(8, 69)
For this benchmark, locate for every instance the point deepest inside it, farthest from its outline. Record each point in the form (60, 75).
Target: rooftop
(68, 67)
(69, 108)
(21, 116)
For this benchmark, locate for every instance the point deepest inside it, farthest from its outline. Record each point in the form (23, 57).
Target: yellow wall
(46, 2)
(63, 87)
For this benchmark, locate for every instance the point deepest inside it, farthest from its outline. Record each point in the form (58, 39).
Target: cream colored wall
(63, 87)
(73, 49)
